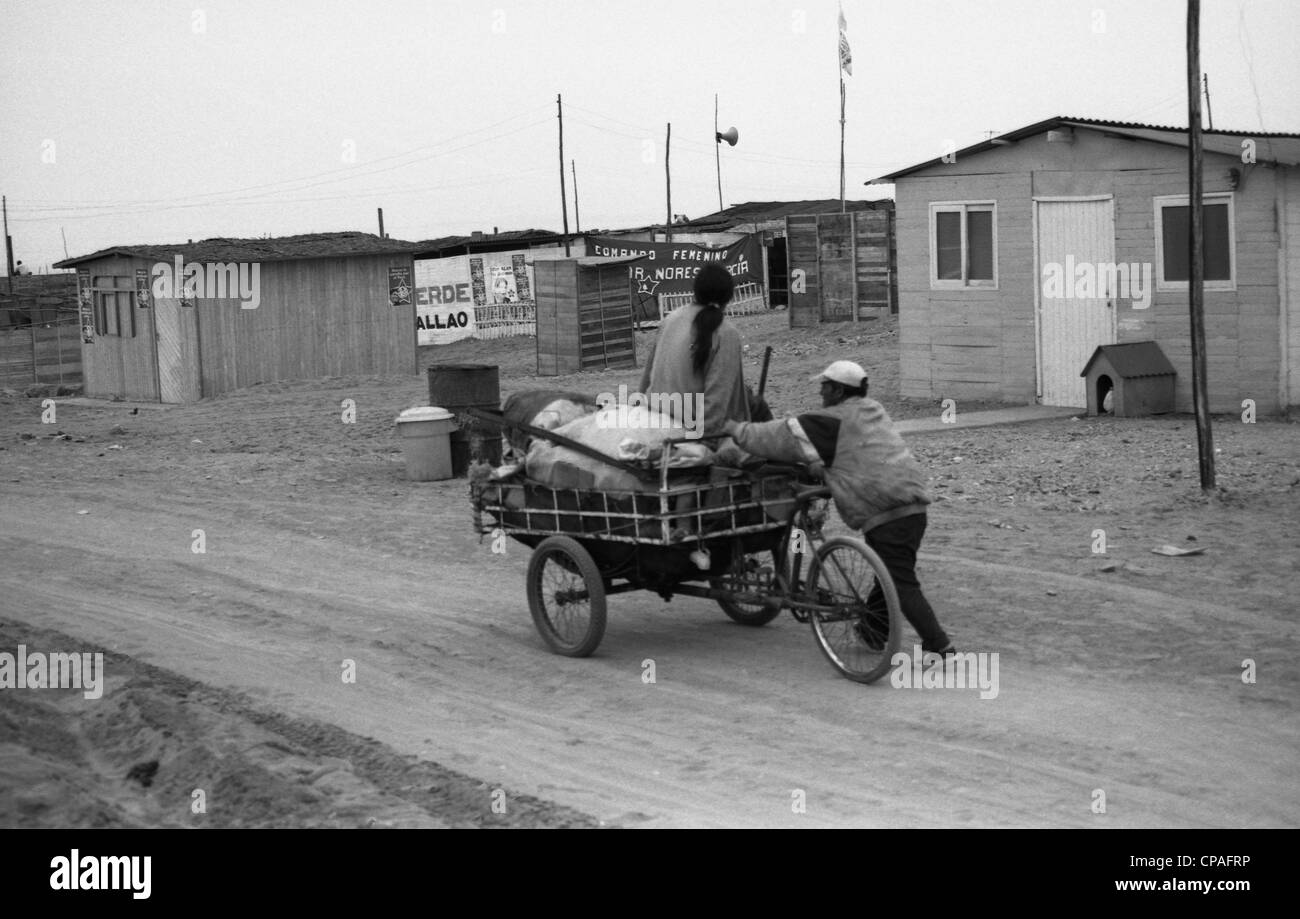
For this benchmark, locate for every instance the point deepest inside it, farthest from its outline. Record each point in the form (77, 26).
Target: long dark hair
(713, 289)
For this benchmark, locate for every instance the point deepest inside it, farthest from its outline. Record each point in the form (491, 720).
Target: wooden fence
(505, 320)
(46, 353)
(749, 299)
(842, 267)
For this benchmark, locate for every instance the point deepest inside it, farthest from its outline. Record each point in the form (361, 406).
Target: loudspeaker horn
(731, 135)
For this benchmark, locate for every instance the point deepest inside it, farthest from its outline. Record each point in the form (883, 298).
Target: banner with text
(670, 268)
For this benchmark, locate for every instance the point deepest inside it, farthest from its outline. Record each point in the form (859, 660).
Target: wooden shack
(1020, 255)
(245, 311)
(584, 315)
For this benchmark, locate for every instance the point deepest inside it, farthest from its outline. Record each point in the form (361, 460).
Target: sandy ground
(1120, 673)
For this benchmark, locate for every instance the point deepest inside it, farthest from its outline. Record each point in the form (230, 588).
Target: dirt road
(317, 552)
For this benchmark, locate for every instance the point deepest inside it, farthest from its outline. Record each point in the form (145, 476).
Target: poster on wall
(85, 307)
(486, 295)
(522, 287)
(399, 285)
(444, 307)
(143, 283)
(477, 282)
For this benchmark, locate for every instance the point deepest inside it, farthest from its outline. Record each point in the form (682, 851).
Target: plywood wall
(317, 318)
(848, 263)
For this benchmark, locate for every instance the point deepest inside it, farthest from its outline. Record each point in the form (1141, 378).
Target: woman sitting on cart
(697, 356)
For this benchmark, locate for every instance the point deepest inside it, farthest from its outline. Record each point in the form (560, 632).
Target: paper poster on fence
(485, 295)
(85, 307)
(444, 304)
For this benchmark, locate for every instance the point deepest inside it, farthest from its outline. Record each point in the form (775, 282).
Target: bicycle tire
(843, 575)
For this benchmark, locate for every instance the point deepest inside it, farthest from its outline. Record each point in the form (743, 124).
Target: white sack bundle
(615, 432)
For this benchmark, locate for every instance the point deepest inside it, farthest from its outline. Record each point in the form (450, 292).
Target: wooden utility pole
(577, 223)
(717, 149)
(1196, 249)
(1209, 109)
(564, 195)
(668, 182)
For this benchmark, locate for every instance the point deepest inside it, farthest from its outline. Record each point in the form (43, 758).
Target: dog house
(584, 315)
(1137, 375)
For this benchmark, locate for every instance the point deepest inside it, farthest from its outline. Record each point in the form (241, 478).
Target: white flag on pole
(846, 56)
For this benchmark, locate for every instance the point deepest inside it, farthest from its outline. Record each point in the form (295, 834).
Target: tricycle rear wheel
(566, 596)
(746, 575)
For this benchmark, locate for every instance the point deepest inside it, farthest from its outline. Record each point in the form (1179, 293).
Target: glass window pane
(979, 241)
(1218, 261)
(947, 232)
(1174, 234)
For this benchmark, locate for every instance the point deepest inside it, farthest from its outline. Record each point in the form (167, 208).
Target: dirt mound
(159, 750)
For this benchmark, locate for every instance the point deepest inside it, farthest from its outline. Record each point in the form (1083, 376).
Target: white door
(1076, 311)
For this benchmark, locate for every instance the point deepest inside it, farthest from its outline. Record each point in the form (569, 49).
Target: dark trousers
(897, 542)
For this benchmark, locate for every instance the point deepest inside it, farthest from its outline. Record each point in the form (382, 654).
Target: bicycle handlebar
(805, 495)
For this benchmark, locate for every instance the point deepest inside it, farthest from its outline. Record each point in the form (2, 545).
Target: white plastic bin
(426, 442)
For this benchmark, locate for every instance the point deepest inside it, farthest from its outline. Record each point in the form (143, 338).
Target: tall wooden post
(9, 246)
(668, 183)
(577, 223)
(564, 195)
(717, 149)
(1196, 253)
(842, 143)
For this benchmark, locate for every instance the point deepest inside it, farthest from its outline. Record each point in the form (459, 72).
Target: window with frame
(1218, 243)
(113, 300)
(963, 245)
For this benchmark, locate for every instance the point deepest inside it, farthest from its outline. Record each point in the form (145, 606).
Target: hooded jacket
(873, 476)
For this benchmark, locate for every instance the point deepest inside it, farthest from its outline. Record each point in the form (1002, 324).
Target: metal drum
(457, 387)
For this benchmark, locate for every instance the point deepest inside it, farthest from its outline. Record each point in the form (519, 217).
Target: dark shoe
(938, 658)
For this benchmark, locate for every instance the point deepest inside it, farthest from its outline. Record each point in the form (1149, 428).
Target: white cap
(846, 373)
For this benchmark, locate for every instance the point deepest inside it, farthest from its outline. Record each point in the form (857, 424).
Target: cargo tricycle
(751, 540)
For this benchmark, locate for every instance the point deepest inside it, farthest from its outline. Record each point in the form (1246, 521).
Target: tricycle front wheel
(864, 627)
(566, 595)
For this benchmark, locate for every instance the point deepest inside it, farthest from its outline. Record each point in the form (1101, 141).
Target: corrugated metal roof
(1133, 359)
(605, 259)
(1271, 148)
(275, 249)
(486, 242)
(756, 212)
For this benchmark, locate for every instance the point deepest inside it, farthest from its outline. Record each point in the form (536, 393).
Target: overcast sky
(156, 122)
